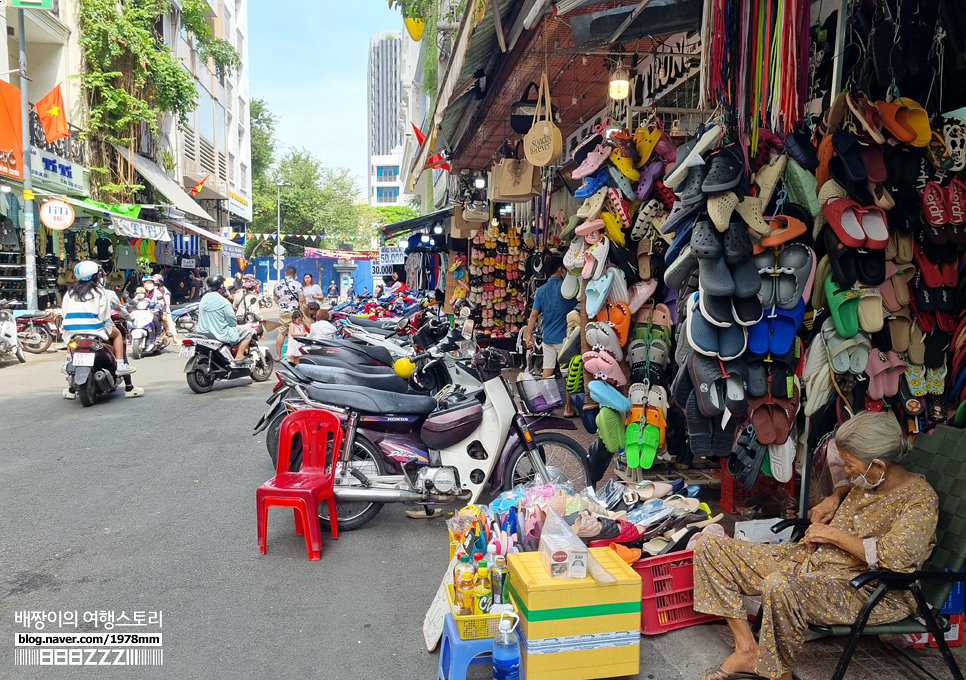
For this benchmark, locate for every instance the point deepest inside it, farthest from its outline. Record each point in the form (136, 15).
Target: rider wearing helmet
(87, 310)
(217, 318)
(246, 298)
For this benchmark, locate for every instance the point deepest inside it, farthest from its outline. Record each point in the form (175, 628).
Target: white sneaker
(134, 392)
(68, 394)
(124, 369)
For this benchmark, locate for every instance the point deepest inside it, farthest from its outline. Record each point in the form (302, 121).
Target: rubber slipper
(895, 120)
(602, 336)
(929, 271)
(716, 277)
(954, 132)
(700, 428)
(746, 279)
(610, 427)
(751, 209)
(846, 145)
(691, 192)
(592, 183)
(757, 378)
(873, 158)
(845, 217)
(574, 257)
(706, 241)
(746, 311)
(721, 207)
(785, 326)
(732, 342)
(829, 190)
(918, 120)
(802, 187)
(759, 336)
(859, 355)
(592, 205)
(826, 151)
(645, 139)
(766, 179)
(822, 270)
(680, 270)
(715, 309)
(934, 204)
(837, 347)
(702, 335)
(870, 265)
(874, 224)
(649, 177)
(650, 442)
(706, 376)
(735, 390)
(632, 445)
(868, 115)
(596, 292)
(800, 149)
(725, 171)
(767, 264)
(843, 303)
(795, 266)
(900, 322)
(737, 245)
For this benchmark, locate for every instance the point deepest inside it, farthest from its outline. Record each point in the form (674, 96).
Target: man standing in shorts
(288, 295)
(554, 308)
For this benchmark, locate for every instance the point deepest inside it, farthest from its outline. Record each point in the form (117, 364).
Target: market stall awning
(474, 46)
(126, 226)
(228, 247)
(168, 187)
(416, 223)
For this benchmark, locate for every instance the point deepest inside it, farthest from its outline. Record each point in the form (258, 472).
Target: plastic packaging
(562, 553)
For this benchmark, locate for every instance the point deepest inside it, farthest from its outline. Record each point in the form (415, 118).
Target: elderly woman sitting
(885, 519)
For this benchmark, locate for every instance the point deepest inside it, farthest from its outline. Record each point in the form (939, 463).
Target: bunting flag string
(271, 236)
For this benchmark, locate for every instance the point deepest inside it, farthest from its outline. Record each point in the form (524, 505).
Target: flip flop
(843, 303)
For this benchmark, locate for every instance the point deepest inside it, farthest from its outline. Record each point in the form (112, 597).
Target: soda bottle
(464, 590)
(483, 592)
(464, 559)
(477, 558)
(498, 575)
(506, 652)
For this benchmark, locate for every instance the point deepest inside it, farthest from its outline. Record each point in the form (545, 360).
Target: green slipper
(610, 427)
(632, 445)
(650, 440)
(844, 305)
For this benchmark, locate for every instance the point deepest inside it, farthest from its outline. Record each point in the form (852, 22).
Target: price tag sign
(381, 269)
(392, 255)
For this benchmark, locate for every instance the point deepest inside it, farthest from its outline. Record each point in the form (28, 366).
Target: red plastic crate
(732, 491)
(667, 593)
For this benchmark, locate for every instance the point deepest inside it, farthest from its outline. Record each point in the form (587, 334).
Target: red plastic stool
(303, 490)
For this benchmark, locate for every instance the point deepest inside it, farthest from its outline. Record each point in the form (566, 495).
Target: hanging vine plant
(132, 80)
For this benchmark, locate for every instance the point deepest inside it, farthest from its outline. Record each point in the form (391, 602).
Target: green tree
(263, 124)
(396, 213)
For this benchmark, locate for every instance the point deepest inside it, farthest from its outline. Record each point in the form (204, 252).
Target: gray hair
(871, 436)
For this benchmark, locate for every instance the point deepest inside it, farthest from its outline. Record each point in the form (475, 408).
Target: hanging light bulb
(620, 83)
(480, 182)
(424, 238)
(437, 229)
(495, 222)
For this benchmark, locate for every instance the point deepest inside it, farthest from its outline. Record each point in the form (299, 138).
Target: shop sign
(381, 269)
(57, 173)
(188, 263)
(56, 214)
(392, 255)
(240, 205)
(663, 73)
(11, 132)
(140, 229)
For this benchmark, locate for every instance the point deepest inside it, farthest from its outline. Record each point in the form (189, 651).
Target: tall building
(384, 138)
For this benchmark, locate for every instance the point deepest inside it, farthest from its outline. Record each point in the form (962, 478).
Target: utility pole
(30, 250)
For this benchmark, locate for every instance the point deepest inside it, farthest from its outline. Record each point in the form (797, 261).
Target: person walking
(554, 307)
(288, 295)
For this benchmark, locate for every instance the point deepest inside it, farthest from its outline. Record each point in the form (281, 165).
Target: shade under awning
(228, 247)
(168, 187)
(407, 226)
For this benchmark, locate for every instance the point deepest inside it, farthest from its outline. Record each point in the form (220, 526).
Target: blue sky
(308, 61)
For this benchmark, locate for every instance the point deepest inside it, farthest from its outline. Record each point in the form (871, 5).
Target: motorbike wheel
(137, 348)
(366, 457)
(568, 459)
(36, 340)
(87, 393)
(20, 355)
(262, 371)
(200, 381)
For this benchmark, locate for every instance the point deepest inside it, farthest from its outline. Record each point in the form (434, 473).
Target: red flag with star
(199, 186)
(52, 115)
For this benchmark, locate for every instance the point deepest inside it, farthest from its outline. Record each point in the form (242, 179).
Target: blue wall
(321, 269)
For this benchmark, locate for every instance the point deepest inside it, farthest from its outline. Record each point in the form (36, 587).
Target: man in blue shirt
(217, 318)
(554, 307)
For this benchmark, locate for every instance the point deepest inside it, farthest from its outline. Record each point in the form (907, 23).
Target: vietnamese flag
(52, 115)
(420, 137)
(199, 186)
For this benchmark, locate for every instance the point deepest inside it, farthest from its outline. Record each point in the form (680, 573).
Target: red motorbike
(37, 330)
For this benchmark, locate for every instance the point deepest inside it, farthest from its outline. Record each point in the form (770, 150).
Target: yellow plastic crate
(475, 626)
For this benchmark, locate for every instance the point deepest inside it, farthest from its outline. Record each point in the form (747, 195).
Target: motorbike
(9, 339)
(146, 329)
(451, 448)
(36, 330)
(91, 367)
(185, 317)
(209, 360)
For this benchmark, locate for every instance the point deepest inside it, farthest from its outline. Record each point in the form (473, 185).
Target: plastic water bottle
(464, 559)
(483, 591)
(506, 652)
(498, 574)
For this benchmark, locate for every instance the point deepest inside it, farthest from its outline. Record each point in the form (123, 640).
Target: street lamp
(278, 227)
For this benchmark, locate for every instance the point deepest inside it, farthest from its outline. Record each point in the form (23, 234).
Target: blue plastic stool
(457, 655)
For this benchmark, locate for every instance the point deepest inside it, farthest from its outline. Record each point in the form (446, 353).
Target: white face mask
(862, 480)
(148, 288)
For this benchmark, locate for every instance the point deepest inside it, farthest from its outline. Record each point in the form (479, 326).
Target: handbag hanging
(521, 113)
(543, 142)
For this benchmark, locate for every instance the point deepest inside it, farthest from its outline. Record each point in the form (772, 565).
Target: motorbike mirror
(401, 324)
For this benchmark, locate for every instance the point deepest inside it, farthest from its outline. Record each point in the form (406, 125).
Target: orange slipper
(629, 555)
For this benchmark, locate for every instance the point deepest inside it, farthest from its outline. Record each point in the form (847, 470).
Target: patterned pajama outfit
(798, 588)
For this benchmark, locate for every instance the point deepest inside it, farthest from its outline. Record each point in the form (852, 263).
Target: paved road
(148, 504)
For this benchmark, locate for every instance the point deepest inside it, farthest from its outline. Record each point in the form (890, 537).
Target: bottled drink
(490, 556)
(477, 558)
(464, 590)
(498, 576)
(506, 652)
(464, 559)
(483, 592)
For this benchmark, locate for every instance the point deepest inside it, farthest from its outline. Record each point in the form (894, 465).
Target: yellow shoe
(625, 164)
(612, 224)
(646, 139)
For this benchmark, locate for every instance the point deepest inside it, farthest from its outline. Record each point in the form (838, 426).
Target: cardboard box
(577, 629)
(954, 636)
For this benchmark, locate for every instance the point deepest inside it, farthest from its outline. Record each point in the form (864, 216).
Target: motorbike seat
(335, 362)
(209, 336)
(364, 322)
(329, 375)
(31, 315)
(378, 354)
(369, 400)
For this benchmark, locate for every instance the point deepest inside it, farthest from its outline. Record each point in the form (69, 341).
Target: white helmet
(86, 270)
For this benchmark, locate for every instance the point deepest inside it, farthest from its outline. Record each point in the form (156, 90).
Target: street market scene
(459, 339)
